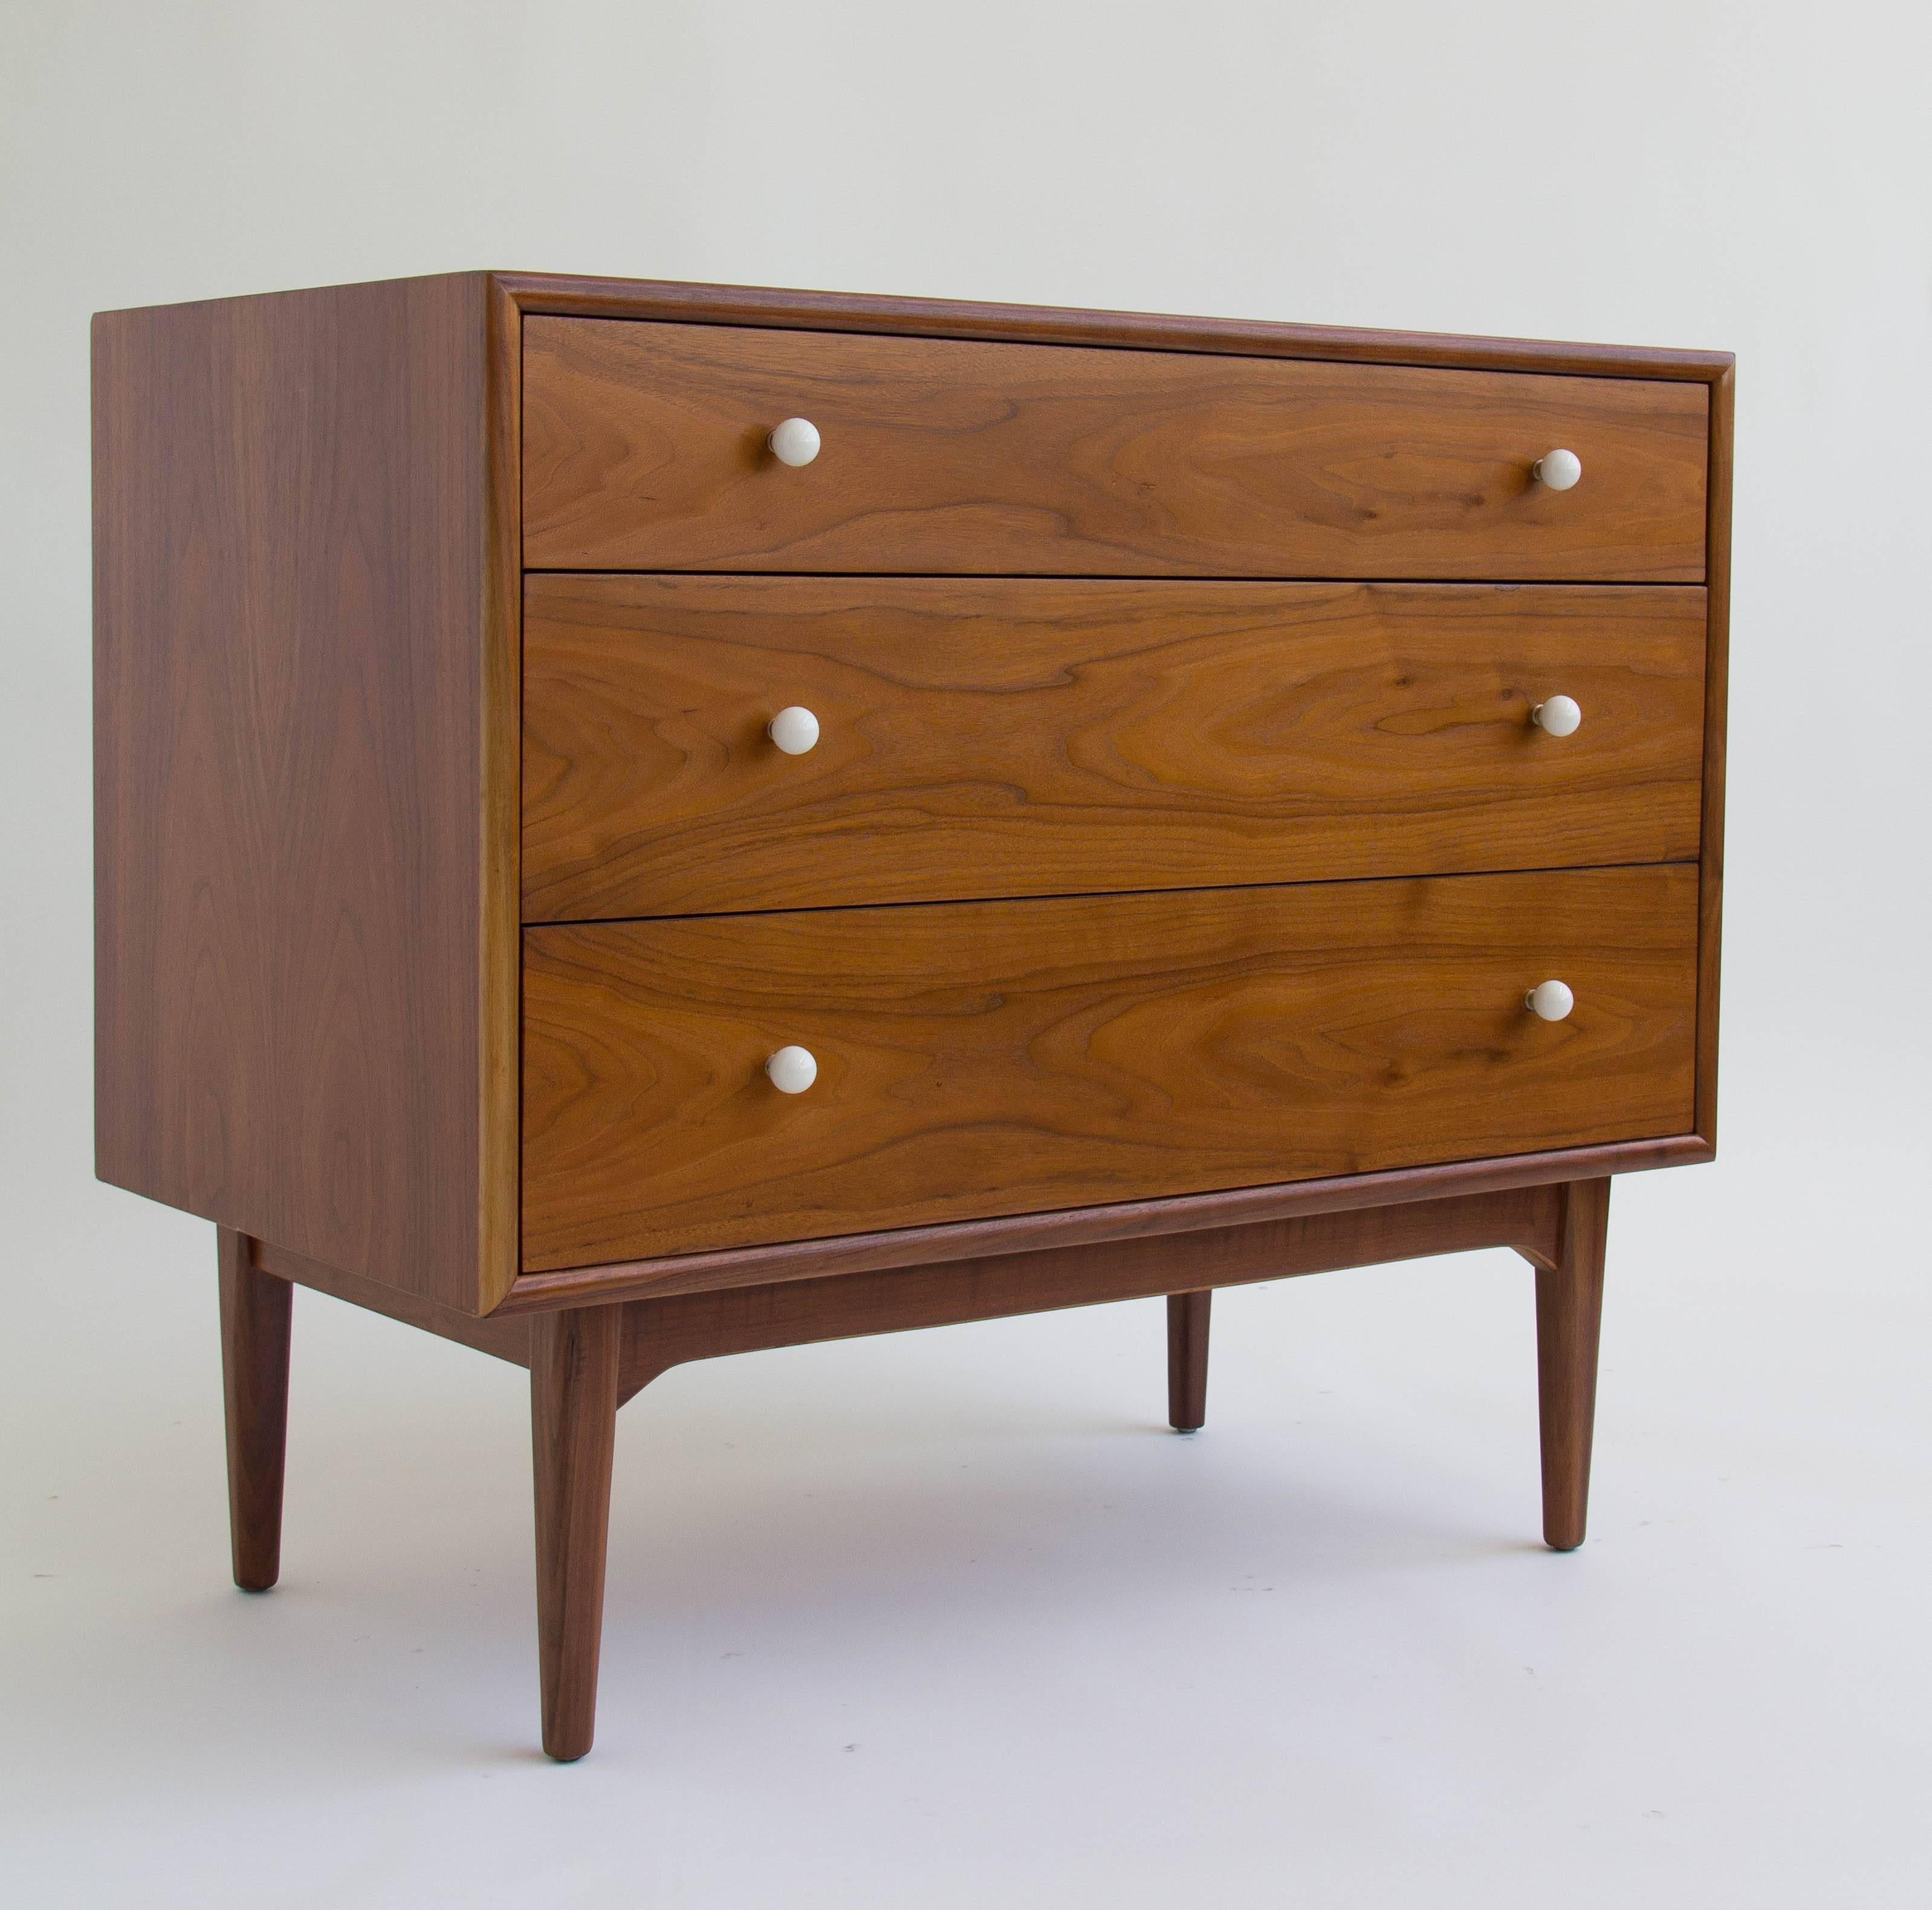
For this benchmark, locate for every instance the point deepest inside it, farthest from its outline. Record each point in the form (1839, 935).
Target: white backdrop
(942, 1621)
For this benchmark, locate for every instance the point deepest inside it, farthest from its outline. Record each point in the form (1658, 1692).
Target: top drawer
(644, 448)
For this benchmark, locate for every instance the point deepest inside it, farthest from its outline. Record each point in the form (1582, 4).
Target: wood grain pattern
(1188, 1316)
(658, 1334)
(255, 1319)
(574, 1361)
(644, 448)
(294, 595)
(998, 1057)
(559, 295)
(1569, 1322)
(1014, 738)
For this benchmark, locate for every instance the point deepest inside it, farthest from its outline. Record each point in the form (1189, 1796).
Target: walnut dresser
(636, 821)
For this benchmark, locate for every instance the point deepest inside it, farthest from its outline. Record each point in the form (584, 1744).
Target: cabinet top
(566, 295)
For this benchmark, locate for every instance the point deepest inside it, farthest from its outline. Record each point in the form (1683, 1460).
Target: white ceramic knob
(1552, 1000)
(793, 1070)
(795, 729)
(1559, 470)
(1560, 715)
(796, 442)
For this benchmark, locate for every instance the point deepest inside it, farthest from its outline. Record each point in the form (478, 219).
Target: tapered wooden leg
(1187, 1360)
(573, 1430)
(1569, 1315)
(255, 1386)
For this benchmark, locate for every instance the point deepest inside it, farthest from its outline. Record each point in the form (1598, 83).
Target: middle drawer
(1006, 737)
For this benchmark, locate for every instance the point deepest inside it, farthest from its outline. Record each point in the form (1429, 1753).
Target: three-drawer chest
(637, 821)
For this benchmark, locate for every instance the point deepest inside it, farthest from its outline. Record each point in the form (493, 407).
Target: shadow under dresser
(638, 821)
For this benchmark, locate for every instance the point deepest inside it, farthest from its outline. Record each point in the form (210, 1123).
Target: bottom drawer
(983, 1059)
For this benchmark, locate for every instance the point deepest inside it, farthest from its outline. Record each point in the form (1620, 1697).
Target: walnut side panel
(1000, 737)
(644, 448)
(298, 580)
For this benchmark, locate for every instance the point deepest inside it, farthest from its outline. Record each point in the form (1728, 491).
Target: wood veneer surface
(996, 1057)
(995, 737)
(644, 448)
(303, 996)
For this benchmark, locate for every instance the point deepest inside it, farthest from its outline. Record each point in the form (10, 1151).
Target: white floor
(950, 1619)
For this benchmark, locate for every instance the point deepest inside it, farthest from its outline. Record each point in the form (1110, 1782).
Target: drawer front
(644, 448)
(986, 1058)
(1005, 738)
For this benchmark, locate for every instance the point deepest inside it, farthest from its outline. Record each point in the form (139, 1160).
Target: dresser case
(638, 821)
